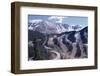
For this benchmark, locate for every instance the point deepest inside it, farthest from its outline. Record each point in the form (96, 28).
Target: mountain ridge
(45, 26)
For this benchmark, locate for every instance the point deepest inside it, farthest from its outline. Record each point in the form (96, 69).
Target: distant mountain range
(48, 27)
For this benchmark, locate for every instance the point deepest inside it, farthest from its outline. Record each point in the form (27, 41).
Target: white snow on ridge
(30, 28)
(60, 28)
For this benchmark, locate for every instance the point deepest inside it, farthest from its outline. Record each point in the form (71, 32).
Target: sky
(71, 20)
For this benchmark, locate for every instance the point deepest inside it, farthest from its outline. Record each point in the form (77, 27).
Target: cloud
(57, 19)
(36, 20)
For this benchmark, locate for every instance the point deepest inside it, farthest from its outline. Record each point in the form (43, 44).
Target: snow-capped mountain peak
(48, 27)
